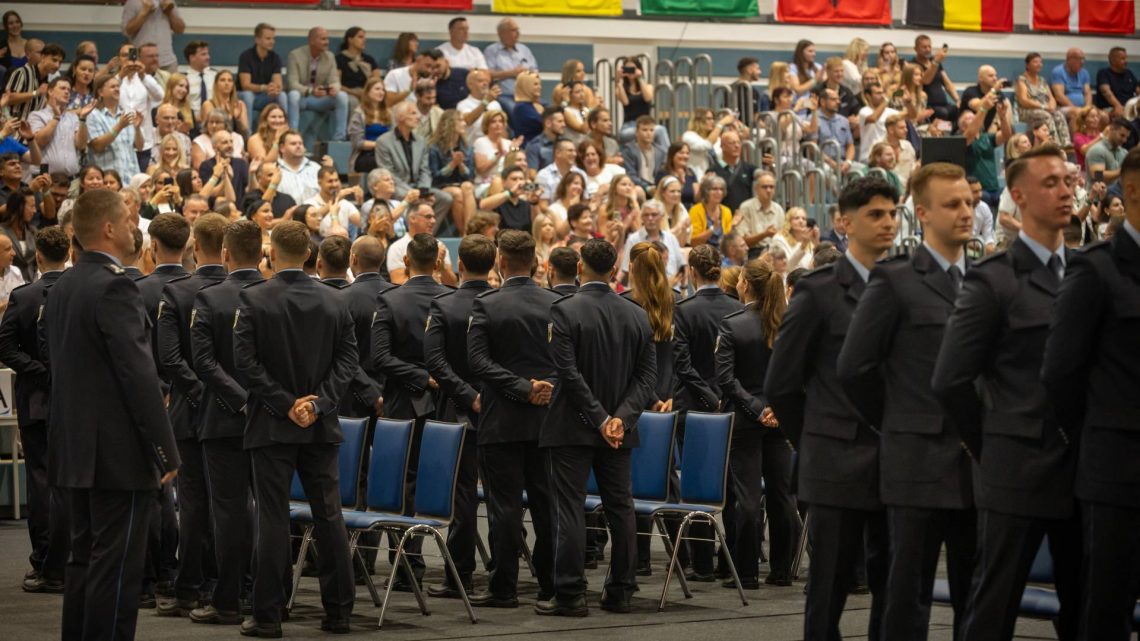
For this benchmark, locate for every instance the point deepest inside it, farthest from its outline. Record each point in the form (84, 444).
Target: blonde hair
(522, 83)
(446, 134)
(651, 289)
(857, 52)
(184, 108)
(777, 76)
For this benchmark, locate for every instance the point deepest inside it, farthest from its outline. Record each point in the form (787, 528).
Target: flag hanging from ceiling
(961, 15)
(712, 8)
(834, 11)
(1085, 16)
(560, 7)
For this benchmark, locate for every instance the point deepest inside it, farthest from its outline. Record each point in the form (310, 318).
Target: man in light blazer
(405, 154)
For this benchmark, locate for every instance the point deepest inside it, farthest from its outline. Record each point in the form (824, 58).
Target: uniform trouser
(1007, 545)
(47, 507)
(316, 465)
(161, 541)
(104, 574)
(508, 470)
(757, 469)
(569, 470)
(917, 535)
(837, 534)
(227, 472)
(1112, 570)
(464, 524)
(194, 547)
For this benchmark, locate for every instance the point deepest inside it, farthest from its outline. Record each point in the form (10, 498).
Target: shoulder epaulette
(1100, 244)
(115, 269)
(991, 258)
(736, 313)
(487, 293)
(179, 278)
(390, 290)
(449, 286)
(21, 287)
(563, 298)
(447, 293)
(819, 271)
(333, 285)
(256, 283)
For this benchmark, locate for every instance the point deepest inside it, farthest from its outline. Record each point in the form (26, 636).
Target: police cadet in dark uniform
(366, 395)
(194, 523)
(332, 261)
(295, 351)
(1024, 484)
(169, 234)
(885, 368)
(760, 459)
(838, 451)
(1091, 375)
(410, 392)
(111, 442)
(445, 353)
(20, 350)
(562, 270)
(508, 351)
(698, 323)
(223, 419)
(603, 354)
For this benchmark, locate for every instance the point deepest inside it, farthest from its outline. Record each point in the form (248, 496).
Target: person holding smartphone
(113, 134)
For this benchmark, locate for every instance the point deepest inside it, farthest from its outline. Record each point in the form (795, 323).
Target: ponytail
(651, 289)
(766, 287)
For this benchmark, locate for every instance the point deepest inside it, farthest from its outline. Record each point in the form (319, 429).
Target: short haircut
(243, 241)
(423, 250)
(973, 180)
(795, 275)
(1115, 50)
(290, 239)
(478, 252)
(576, 211)
(599, 256)
(291, 132)
(550, 113)
(517, 248)
(564, 262)
(745, 62)
(58, 79)
(921, 180)
(170, 230)
(454, 21)
(369, 254)
(92, 210)
(512, 169)
(324, 171)
(52, 50)
(424, 85)
(1130, 165)
(334, 253)
(192, 48)
(480, 221)
(645, 120)
(826, 256)
(314, 249)
(1120, 123)
(53, 243)
(1019, 167)
(262, 27)
(859, 192)
(595, 116)
(209, 232)
(195, 198)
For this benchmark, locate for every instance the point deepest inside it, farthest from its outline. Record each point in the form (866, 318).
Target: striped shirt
(25, 79)
(60, 153)
(120, 154)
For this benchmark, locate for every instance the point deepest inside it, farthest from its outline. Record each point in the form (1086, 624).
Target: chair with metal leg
(434, 507)
(350, 463)
(704, 477)
(652, 464)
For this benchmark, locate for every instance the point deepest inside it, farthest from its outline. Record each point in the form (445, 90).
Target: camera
(529, 187)
(133, 54)
(168, 181)
(629, 70)
(811, 223)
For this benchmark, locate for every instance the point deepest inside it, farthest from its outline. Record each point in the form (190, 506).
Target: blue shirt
(499, 58)
(942, 262)
(837, 128)
(1042, 252)
(120, 154)
(863, 272)
(526, 121)
(1074, 85)
(11, 145)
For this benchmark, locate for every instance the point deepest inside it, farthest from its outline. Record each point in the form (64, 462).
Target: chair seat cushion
(593, 503)
(355, 520)
(649, 508)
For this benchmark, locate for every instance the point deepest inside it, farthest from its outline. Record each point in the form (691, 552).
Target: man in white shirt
(57, 130)
(10, 277)
(400, 82)
(482, 98)
(873, 120)
(907, 160)
(549, 176)
(457, 51)
(298, 173)
(154, 21)
(652, 217)
(200, 75)
(983, 216)
(343, 218)
(421, 220)
(759, 219)
(138, 92)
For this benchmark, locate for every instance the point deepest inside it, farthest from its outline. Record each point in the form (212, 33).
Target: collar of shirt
(113, 259)
(710, 286)
(1041, 251)
(595, 282)
(160, 265)
(420, 277)
(941, 260)
(516, 278)
(291, 269)
(860, 269)
(243, 270)
(1132, 231)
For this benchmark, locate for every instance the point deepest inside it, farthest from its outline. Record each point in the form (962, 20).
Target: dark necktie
(1057, 267)
(955, 276)
(202, 87)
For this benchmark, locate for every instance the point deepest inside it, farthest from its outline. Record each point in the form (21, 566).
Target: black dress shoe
(251, 628)
(591, 563)
(556, 608)
(644, 570)
(618, 606)
(212, 615)
(860, 589)
(700, 577)
(778, 580)
(335, 625)
(488, 600)
(31, 574)
(147, 602)
(175, 607)
(41, 585)
(747, 583)
(446, 591)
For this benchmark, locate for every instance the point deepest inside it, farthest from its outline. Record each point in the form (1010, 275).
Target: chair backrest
(1042, 569)
(592, 483)
(653, 457)
(350, 462)
(438, 469)
(388, 465)
(704, 462)
(350, 459)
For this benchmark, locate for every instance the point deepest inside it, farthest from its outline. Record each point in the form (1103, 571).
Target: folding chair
(652, 463)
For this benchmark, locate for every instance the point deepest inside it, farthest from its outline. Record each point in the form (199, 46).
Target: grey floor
(714, 612)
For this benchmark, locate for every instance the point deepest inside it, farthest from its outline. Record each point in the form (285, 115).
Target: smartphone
(44, 169)
(811, 223)
(133, 54)
(898, 93)
(1098, 176)
(168, 181)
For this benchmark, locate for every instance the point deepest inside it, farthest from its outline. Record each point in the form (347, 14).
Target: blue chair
(704, 475)
(652, 463)
(350, 459)
(434, 504)
(1036, 602)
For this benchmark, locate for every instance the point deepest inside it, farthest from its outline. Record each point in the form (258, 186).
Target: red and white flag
(1085, 16)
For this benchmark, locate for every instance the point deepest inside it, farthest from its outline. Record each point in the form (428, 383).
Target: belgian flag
(961, 15)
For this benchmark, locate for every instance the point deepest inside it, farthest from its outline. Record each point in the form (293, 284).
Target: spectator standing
(200, 77)
(972, 96)
(506, 59)
(82, 77)
(1115, 84)
(140, 93)
(980, 144)
(873, 120)
(13, 48)
(298, 173)
(356, 67)
(259, 73)
(733, 169)
(56, 129)
(526, 118)
(759, 218)
(113, 135)
(405, 154)
(806, 72)
(225, 99)
(27, 86)
(154, 21)
(313, 83)
(940, 92)
(482, 98)
(458, 52)
(1071, 84)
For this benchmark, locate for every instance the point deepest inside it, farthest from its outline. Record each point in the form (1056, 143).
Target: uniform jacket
(445, 351)
(20, 349)
(698, 324)
(742, 356)
(398, 347)
(368, 384)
